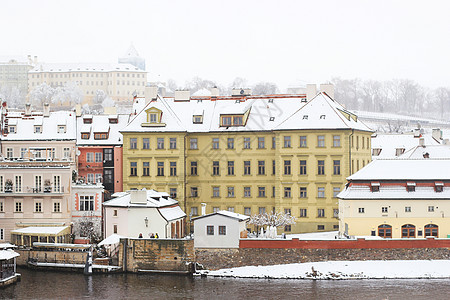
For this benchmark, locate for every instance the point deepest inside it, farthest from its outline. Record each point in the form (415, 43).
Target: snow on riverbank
(374, 269)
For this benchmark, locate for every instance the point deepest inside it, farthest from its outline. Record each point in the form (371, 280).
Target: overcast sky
(286, 42)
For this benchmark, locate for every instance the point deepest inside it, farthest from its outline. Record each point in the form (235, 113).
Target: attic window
(12, 129)
(411, 186)
(399, 151)
(272, 119)
(303, 100)
(270, 100)
(322, 117)
(376, 151)
(305, 117)
(85, 136)
(87, 120)
(236, 120)
(101, 136)
(199, 101)
(153, 118)
(37, 129)
(113, 121)
(237, 101)
(197, 119)
(438, 187)
(61, 128)
(375, 186)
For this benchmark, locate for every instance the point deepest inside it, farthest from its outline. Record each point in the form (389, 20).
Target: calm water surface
(58, 285)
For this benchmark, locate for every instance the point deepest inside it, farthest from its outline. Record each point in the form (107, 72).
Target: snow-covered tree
(88, 226)
(272, 220)
(41, 94)
(12, 96)
(265, 88)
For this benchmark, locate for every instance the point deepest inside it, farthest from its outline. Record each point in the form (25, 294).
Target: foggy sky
(286, 42)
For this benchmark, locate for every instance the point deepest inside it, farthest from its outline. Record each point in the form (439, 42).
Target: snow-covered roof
(154, 199)
(101, 124)
(110, 240)
(433, 151)
(225, 213)
(265, 113)
(404, 169)
(8, 254)
(202, 92)
(131, 52)
(25, 127)
(7, 246)
(84, 67)
(393, 192)
(172, 213)
(389, 143)
(40, 230)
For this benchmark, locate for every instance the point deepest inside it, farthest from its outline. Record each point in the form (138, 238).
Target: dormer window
(37, 129)
(411, 186)
(101, 136)
(270, 100)
(305, 117)
(322, 117)
(376, 151)
(113, 121)
(61, 129)
(87, 120)
(375, 186)
(154, 117)
(12, 129)
(399, 151)
(85, 136)
(438, 187)
(236, 120)
(197, 119)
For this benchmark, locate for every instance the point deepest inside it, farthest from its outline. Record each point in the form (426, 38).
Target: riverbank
(338, 270)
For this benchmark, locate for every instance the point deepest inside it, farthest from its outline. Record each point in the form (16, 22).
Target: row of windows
(230, 143)
(408, 231)
(16, 185)
(365, 142)
(94, 157)
(303, 212)
(210, 230)
(230, 168)
(385, 209)
(438, 188)
(66, 75)
(36, 153)
(261, 192)
(18, 207)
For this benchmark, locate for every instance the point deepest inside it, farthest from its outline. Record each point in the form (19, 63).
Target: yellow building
(397, 198)
(247, 154)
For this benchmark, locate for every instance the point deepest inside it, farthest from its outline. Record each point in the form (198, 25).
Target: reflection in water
(58, 285)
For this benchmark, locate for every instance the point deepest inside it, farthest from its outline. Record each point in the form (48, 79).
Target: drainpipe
(184, 176)
(350, 153)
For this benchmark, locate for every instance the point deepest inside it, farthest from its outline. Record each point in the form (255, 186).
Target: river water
(58, 285)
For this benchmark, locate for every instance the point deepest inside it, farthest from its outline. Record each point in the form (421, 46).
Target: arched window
(385, 231)
(408, 231)
(431, 230)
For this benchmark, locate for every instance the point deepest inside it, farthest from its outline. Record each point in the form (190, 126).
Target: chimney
(437, 134)
(138, 196)
(422, 142)
(203, 209)
(417, 132)
(46, 111)
(214, 91)
(311, 91)
(78, 110)
(241, 92)
(182, 95)
(328, 89)
(151, 93)
(27, 109)
(35, 60)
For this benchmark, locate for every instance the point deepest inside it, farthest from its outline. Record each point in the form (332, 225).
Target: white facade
(131, 214)
(219, 230)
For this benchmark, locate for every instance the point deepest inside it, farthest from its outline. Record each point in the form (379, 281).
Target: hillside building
(247, 154)
(397, 198)
(14, 73)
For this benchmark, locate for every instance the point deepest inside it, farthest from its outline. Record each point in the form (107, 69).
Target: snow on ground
(327, 235)
(373, 269)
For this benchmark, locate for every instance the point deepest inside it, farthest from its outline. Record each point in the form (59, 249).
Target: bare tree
(89, 226)
(265, 88)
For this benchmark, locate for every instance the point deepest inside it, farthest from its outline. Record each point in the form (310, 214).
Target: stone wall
(214, 259)
(163, 255)
(67, 257)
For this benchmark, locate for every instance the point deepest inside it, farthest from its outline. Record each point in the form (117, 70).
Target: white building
(143, 212)
(221, 229)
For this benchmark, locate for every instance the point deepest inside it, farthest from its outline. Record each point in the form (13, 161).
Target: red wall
(346, 244)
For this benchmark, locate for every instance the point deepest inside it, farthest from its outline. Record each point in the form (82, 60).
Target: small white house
(137, 212)
(219, 230)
